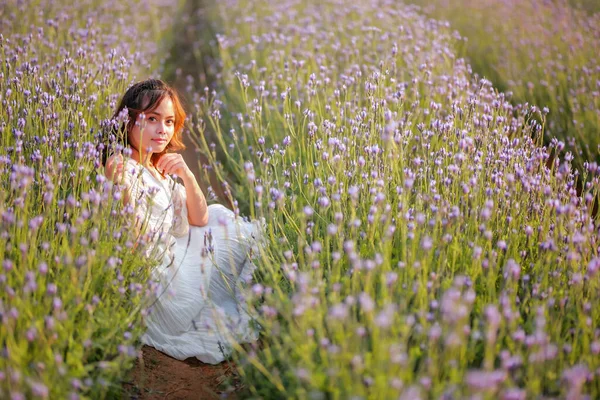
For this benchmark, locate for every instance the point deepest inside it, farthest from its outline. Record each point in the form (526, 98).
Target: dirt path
(157, 376)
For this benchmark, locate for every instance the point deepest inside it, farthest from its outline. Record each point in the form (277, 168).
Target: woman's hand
(115, 171)
(114, 167)
(173, 163)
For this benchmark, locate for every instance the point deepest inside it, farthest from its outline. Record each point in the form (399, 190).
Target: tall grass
(73, 289)
(544, 52)
(418, 243)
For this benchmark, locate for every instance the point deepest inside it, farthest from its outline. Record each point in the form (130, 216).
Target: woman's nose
(162, 128)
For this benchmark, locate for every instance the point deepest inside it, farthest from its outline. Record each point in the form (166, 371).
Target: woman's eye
(152, 119)
(170, 122)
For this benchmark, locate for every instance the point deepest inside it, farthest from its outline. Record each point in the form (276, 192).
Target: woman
(203, 250)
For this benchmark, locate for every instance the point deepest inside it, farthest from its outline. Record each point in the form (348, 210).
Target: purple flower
(366, 302)
(31, 334)
(385, 317)
(575, 377)
(512, 270)
(353, 192)
(513, 394)
(426, 243)
(39, 390)
(485, 380)
(323, 202)
(7, 265)
(338, 311)
(593, 267)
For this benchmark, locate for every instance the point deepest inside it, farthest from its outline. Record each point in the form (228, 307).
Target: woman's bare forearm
(196, 202)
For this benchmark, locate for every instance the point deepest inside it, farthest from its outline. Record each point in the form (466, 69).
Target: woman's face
(154, 129)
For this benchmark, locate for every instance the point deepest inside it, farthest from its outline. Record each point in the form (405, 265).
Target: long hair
(144, 97)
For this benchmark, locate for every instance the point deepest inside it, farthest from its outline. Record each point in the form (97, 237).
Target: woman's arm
(196, 202)
(173, 163)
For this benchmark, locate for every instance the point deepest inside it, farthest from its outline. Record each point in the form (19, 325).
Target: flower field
(422, 241)
(550, 59)
(71, 291)
(420, 245)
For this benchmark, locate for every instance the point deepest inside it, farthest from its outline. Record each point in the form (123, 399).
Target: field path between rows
(156, 375)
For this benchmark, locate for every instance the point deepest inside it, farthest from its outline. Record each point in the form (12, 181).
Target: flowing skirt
(200, 310)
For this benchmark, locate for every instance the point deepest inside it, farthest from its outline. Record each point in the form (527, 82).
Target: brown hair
(143, 97)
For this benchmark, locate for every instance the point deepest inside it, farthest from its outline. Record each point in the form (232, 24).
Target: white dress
(199, 309)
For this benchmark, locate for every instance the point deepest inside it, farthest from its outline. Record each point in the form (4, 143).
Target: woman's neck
(147, 157)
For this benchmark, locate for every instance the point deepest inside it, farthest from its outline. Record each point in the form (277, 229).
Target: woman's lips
(161, 141)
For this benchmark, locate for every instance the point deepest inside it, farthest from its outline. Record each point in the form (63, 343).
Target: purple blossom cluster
(72, 287)
(423, 234)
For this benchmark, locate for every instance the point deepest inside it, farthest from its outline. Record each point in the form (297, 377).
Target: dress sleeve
(181, 225)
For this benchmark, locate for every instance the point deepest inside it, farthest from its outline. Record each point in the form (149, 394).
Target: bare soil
(157, 376)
